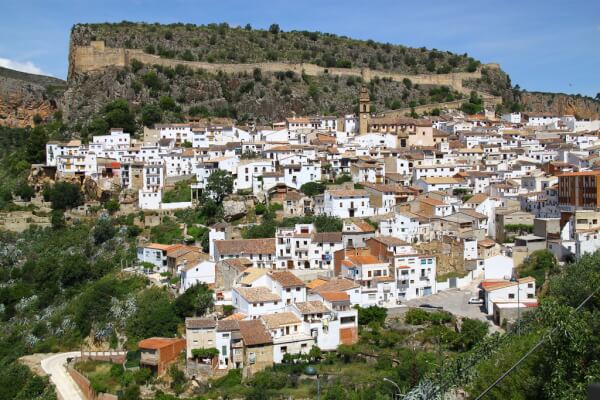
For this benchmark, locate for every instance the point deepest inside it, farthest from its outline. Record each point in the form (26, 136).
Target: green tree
(103, 230)
(57, 219)
(167, 103)
(371, 314)
(112, 206)
(151, 114)
(151, 80)
(312, 188)
(136, 65)
(274, 29)
(194, 302)
(155, 316)
(327, 223)
(539, 264)
(118, 115)
(178, 379)
(65, 195)
(474, 105)
(24, 191)
(472, 332)
(35, 147)
(219, 185)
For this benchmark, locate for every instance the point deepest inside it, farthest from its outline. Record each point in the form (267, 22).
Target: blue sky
(544, 45)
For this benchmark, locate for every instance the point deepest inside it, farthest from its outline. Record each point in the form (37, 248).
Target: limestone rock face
(22, 96)
(128, 196)
(233, 209)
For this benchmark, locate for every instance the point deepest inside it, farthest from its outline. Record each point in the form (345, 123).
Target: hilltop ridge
(217, 70)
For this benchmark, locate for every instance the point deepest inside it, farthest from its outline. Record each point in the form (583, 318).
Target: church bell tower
(364, 109)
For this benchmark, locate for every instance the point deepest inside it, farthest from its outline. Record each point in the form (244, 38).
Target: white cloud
(26, 66)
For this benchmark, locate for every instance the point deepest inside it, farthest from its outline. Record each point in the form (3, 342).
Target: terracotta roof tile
(256, 294)
(335, 296)
(200, 323)
(246, 246)
(274, 321)
(336, 285)
(287, 279)
(158, 343)
(312, 307)
(254, 332)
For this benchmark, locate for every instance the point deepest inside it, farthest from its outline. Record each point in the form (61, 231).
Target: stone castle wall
(97, 56)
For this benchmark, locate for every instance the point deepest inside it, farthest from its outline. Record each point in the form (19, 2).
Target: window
(530, 295)
(530, 285)
(511, 295)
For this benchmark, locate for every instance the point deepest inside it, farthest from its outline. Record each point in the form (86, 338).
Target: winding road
(55, 367)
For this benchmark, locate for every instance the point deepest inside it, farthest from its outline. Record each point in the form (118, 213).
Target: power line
(534, 348)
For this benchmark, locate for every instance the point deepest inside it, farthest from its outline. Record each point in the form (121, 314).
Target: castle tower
(364, 109)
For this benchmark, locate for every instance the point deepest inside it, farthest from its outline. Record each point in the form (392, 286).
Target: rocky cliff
(24, 96)
(560, 103)
(168, 71)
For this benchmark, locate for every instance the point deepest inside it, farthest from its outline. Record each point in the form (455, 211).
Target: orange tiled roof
(335, 296)
(157, 343)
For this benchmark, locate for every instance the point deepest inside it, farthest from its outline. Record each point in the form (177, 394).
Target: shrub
(167, 103)
(274, 29)
(112, 206)
(24, 191)
(136, 65)
(416, 316)
(64, 195)
(210, 352)
(312, 188)
(372, 314)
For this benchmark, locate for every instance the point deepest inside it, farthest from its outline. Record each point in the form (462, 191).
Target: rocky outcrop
(233, 209)
(559, 103)
(23, 96)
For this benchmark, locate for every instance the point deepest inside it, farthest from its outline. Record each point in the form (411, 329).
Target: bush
(168, 232)
(104, 230)
(343, 179)
(167, 103)
(372, 314)
(417, 316)
(24, 191)
(151, 114)
(136, 65)
(210, 352)
(65, 195)
(194, 302)
(112, 206)
(312, 188)
(274, 29)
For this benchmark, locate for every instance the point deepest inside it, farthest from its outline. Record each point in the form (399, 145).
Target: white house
(519, 291)
(498, 267)
(256, 301)
(202, 272)
(347, 203)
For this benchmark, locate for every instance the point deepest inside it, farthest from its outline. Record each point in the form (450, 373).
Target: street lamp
(311, 371)
(514, 279)
(396, 385)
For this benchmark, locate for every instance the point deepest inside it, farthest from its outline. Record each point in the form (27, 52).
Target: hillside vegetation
(261, 95)
(223, 43)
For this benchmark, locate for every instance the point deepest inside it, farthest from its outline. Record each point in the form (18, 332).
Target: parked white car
(475, 300)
